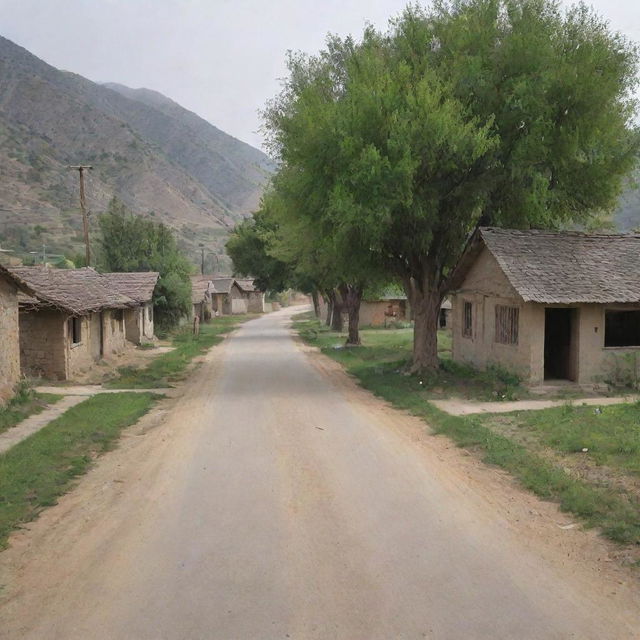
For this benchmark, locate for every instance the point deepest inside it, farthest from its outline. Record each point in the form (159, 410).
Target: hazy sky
(219, 58)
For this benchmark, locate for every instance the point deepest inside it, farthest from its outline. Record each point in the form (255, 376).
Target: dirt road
(274, 500)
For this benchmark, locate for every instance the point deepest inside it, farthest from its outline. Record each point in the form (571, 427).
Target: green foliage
(36, 471)
(248, 249)
(133, 243)
(504, 112)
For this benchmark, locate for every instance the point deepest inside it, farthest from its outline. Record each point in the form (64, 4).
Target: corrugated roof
(562, 267)
(138, 285)
(77, 291)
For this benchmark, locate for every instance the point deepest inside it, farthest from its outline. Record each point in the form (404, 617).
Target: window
(507, 324)
(74, 330)
(622, 328)
(467, 320)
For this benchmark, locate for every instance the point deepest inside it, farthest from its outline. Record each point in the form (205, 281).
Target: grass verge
(170, 367)
(25, 403)
(616, 513)
(36, 471)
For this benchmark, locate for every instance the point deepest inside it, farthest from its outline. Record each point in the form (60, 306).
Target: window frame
(506, 325)
(604, 333)
(74, 329)
(467, 328)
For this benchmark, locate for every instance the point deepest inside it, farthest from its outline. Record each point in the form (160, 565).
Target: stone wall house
(72, 320)
(138, 286)
(253, 296)
(549, 305)
(10, 371)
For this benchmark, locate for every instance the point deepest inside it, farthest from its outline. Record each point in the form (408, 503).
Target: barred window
(467, 320)
(507, 319)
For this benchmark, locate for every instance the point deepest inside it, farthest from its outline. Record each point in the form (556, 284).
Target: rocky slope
(158, 158)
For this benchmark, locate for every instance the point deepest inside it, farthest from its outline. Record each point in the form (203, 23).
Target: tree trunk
(352, 296)
(331, 297)
(316, 303)
(336, 312)
(425, 299)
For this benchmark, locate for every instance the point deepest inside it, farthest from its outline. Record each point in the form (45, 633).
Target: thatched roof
(138, 285)
(77, 291)
(201, 285)
(560, 267)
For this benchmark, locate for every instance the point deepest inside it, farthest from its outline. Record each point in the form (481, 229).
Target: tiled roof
(246, 284)
(138, 285)
(562, 267)
(77, 291)
(222, 285)
(200, 286)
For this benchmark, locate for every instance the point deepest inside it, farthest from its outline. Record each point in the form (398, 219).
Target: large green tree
(504, 112)
(132, 243)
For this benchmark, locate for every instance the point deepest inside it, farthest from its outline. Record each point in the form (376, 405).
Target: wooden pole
(83, 207)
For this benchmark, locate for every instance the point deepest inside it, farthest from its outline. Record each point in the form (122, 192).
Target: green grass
(611, 434)
(374, 364)
(389, 351)
(171, 366)
(36, 471)
(25, 403)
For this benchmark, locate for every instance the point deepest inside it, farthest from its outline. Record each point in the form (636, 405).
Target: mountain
(627, 215)
(160, 159)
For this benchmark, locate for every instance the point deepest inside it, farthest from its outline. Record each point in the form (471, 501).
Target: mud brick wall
(9, 340)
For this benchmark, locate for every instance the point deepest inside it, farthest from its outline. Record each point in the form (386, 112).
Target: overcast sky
(219, 58)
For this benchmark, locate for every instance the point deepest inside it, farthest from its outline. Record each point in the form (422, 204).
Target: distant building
(549, 305)
(253, 296)
(201, 297)
(139, 286)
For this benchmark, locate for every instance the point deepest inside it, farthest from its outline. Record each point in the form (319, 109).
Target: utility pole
(83, 206)
(202, 259)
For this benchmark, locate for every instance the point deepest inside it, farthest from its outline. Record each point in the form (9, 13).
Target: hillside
(158, 158)
(627, 216)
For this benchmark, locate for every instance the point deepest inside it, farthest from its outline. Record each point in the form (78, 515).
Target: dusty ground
(276, 499)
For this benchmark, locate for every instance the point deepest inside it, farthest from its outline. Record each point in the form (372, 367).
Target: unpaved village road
(275, 500)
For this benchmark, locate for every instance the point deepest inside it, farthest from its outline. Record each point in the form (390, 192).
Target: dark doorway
(558, 342)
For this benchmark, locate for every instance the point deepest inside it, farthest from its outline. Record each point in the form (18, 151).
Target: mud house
(384, 311)
(229, 298)
(139, 286)
(549, 305)
(10, 287)
(253, 296)
(72, 319)
(201, 297)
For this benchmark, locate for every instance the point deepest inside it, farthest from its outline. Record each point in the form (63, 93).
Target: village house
(384, 311)
(549, 306)
(201, 297)
(253, 296)
(10, 373)
(71, 320)
(139, 286)
(228, 297)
